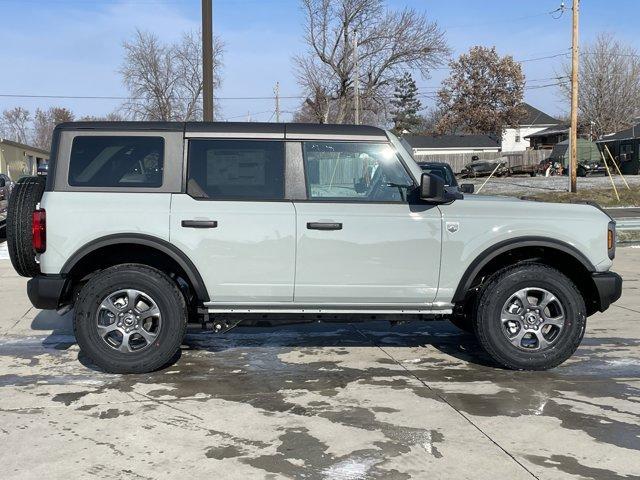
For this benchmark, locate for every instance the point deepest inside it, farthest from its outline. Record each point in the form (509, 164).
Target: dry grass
(604, 197)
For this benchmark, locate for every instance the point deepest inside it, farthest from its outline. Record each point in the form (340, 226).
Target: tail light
(39, 230)
(611, 240)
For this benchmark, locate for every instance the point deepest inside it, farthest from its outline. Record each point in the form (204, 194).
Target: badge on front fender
(453, 227)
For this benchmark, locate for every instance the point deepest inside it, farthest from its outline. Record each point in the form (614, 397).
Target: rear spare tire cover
(23, 200)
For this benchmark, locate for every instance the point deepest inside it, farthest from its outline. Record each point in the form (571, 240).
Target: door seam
(295, 251)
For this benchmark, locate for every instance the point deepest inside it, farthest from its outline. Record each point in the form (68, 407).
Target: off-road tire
(581, 172)
(488, 325)
(23, 200)
(169, 300)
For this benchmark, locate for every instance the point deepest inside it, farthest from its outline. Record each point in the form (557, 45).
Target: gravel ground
(522, 185)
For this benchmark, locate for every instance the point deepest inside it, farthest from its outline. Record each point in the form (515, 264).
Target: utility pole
(356, 81)
(276, 90)
(207, 60)
(573, 136)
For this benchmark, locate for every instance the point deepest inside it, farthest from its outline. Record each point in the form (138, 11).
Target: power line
(108, 97)
(553, 14)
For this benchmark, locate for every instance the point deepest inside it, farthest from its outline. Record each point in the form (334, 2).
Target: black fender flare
(149, 241)
(503, 247)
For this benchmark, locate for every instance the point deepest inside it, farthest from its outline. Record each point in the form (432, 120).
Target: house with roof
(18, 160)
(548, 137)
(518, 139)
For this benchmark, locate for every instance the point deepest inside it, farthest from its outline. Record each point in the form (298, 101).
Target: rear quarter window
(116, 161)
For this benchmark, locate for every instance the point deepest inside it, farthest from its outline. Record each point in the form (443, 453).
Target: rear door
(233, 221)
(360, 239)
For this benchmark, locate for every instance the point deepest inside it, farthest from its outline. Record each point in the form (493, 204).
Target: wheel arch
(545, 250)
(90, 252)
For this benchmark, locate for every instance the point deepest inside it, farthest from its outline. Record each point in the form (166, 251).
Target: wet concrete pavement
(334, 401)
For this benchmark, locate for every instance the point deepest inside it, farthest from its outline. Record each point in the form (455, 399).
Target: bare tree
(109, 117)
(483, 93)
(165, 80)
(609, 85)
(15, 124)
(45, 121)
(389, 42)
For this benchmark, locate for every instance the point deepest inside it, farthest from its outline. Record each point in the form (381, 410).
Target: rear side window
(116, 161)
(236, 169)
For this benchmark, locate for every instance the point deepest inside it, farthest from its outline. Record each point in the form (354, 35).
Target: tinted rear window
(116, 161)
(236, 169)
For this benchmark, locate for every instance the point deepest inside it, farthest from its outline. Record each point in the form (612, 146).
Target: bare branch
(609, 85)
(14, 124)
(165, 81)
(388, 43)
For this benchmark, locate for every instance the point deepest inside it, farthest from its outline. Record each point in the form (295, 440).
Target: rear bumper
(609, 288)
(46, 291)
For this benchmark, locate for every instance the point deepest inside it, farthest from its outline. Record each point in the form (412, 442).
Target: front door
(359, 240)
(233, 221)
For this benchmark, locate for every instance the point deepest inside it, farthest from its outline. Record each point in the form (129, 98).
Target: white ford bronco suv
(142, 226)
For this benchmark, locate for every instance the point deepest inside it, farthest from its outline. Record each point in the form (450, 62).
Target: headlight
(611, 240)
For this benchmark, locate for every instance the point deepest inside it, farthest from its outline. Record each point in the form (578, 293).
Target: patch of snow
(349, 469)
(4, 251)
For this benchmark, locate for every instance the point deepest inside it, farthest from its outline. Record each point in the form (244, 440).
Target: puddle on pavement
(263, 366)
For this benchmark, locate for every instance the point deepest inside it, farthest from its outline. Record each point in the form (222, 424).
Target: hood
(511, 206)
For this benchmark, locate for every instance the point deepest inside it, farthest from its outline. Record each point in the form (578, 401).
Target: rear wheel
(581, 172)
(130, 319)
(530, 317)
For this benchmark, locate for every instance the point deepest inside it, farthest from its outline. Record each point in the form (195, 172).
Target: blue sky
(74, 47)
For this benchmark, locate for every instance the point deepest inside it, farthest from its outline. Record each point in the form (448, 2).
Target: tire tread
(92, 289)
(480, 327)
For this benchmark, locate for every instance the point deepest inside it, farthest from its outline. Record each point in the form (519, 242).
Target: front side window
(116, 161)
(236, 169)
(355, 172)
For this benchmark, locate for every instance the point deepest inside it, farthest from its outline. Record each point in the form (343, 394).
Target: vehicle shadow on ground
(441, 335)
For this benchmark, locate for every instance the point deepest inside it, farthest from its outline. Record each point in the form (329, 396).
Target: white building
(513, 139)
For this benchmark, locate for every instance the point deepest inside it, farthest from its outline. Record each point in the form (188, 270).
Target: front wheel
(130, 319)
(530, 317)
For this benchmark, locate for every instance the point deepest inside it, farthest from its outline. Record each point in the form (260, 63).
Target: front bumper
(46, 291)
(608, 287)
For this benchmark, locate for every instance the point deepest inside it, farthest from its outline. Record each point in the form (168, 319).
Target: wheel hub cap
(128, 320)
(532, 318)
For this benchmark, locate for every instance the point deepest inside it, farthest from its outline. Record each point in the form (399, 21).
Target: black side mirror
(432, 188)
(467, 188)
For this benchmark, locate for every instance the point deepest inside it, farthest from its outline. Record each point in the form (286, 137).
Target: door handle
(324, 226)
(199, 223)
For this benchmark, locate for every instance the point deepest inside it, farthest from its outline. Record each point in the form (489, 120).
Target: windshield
(407, 157)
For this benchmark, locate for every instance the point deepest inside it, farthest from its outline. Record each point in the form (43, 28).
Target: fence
(460, 160)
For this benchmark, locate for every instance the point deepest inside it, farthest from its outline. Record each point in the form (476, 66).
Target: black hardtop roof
(236, 127)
